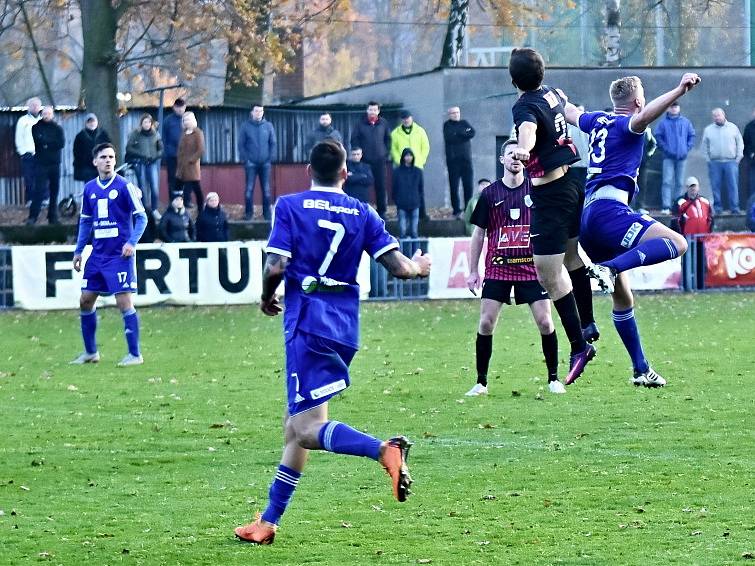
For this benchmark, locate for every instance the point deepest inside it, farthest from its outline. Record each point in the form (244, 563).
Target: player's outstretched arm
(572, 114)
(526, 137)
(404, 268)
(656, 107)
(272, 275)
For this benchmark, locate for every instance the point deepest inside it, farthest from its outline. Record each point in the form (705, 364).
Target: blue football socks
(647, 253)
(626, 326)
(131, 330)
(342, 439)
(89, 330)
(281, 491)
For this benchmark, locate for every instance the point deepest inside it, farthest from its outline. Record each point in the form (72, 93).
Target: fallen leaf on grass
(748, 555)
(489, 497)
(695, 533)
(486, 425)
(345, 525)
(72, 388)
(424, 561)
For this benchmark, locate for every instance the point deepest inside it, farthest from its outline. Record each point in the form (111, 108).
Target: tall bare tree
(458, 15)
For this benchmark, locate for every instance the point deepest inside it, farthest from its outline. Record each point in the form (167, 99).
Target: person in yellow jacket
(412, 135)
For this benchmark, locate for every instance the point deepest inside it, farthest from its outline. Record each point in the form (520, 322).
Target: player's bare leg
(88, 316)
(626, 326)
(125, 303)
(489, 312)
(541, 313)
(552, 275)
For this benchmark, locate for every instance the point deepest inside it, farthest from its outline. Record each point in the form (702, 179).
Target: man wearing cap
(409, 134)
(85, 141)
(676, 137)
(695, 211)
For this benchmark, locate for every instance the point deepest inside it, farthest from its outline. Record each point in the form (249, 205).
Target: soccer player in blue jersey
(315, 247)
(613, 235)
(113, 217)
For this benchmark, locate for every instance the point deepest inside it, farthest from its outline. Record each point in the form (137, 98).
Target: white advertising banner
(182, 274)
(448, 278)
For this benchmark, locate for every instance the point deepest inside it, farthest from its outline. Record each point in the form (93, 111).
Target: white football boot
(648, 379)
(86, 358)
(556, 387)
(130, 360)
(477, 390)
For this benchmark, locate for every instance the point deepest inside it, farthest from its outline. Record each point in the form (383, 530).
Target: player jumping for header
(315, 246)
(557, 201)
(503, 213)
(112, 215)
(612, 234)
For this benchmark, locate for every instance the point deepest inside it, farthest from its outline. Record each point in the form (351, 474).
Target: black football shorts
(556, 214)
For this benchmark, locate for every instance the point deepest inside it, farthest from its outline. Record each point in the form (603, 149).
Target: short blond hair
(624, 90)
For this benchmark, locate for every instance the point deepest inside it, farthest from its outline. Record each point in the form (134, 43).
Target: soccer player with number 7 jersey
(315, 247)
(613, 235)
(113, 217)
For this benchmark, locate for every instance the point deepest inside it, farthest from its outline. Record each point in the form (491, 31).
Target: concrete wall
(486, 96)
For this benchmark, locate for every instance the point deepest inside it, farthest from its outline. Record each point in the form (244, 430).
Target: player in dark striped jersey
(503, 216)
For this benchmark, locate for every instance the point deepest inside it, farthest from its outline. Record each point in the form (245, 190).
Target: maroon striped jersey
(504, 214)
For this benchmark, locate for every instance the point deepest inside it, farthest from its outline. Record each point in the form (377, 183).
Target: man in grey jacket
(723, 147)
(257, 148)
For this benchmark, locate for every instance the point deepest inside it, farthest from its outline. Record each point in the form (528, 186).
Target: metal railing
(6, 278)
(386, 287)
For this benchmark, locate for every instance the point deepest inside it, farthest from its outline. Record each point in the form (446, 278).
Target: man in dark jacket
(324, 131)
(373, 135)
(360, 179)
(675, 136)
(212, 222)
(176, 224)
(49, 140)
(748, 136)
(83, 144)
(172, 130)
(257, 149)
(408, 186)
(457, 134)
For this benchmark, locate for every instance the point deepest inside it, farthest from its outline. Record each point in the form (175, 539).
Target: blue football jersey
(615, 151)
(111, 206)
(324, 232)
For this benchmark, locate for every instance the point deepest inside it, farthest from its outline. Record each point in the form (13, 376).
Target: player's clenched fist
(689, 81)
(271, 306)
(77, 263)
(521, 154)
(423, 262)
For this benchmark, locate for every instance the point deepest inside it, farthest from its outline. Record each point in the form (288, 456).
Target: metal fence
(6, 278)
(384, 286)
(220, 125)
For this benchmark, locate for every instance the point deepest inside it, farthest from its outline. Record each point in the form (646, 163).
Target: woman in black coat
(212, 222)
(407, 190)
(83, 144)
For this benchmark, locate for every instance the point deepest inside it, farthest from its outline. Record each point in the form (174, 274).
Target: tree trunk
(99, 76)
(612, 38)
(458, 15)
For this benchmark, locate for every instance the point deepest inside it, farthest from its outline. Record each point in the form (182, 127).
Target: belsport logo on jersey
(321, 204)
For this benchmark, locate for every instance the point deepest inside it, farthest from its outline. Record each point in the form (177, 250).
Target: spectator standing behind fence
(172, 131)
(49, 140)
(144, 149)
(257, 148)
(723, 147)
(212, 222)
(675, 136)
(84, 143)
(176, 224)
(359, 178)
(457, 134)
(410, 134)
(25, 145)
(407, 193)
(695, 212)
(749, 152)
(324, 131)
(190, 150)
(373, 135)
(468, 226)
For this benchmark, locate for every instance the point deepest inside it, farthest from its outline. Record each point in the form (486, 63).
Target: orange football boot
(393, 459)
(259, 532)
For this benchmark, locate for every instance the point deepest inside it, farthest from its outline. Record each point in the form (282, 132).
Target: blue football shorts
(109, 275)
(316, 370)
(610, 228)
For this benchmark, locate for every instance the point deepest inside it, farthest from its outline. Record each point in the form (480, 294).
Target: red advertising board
(729, 259)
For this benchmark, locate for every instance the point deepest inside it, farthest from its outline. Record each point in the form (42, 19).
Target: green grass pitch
(157, 464)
